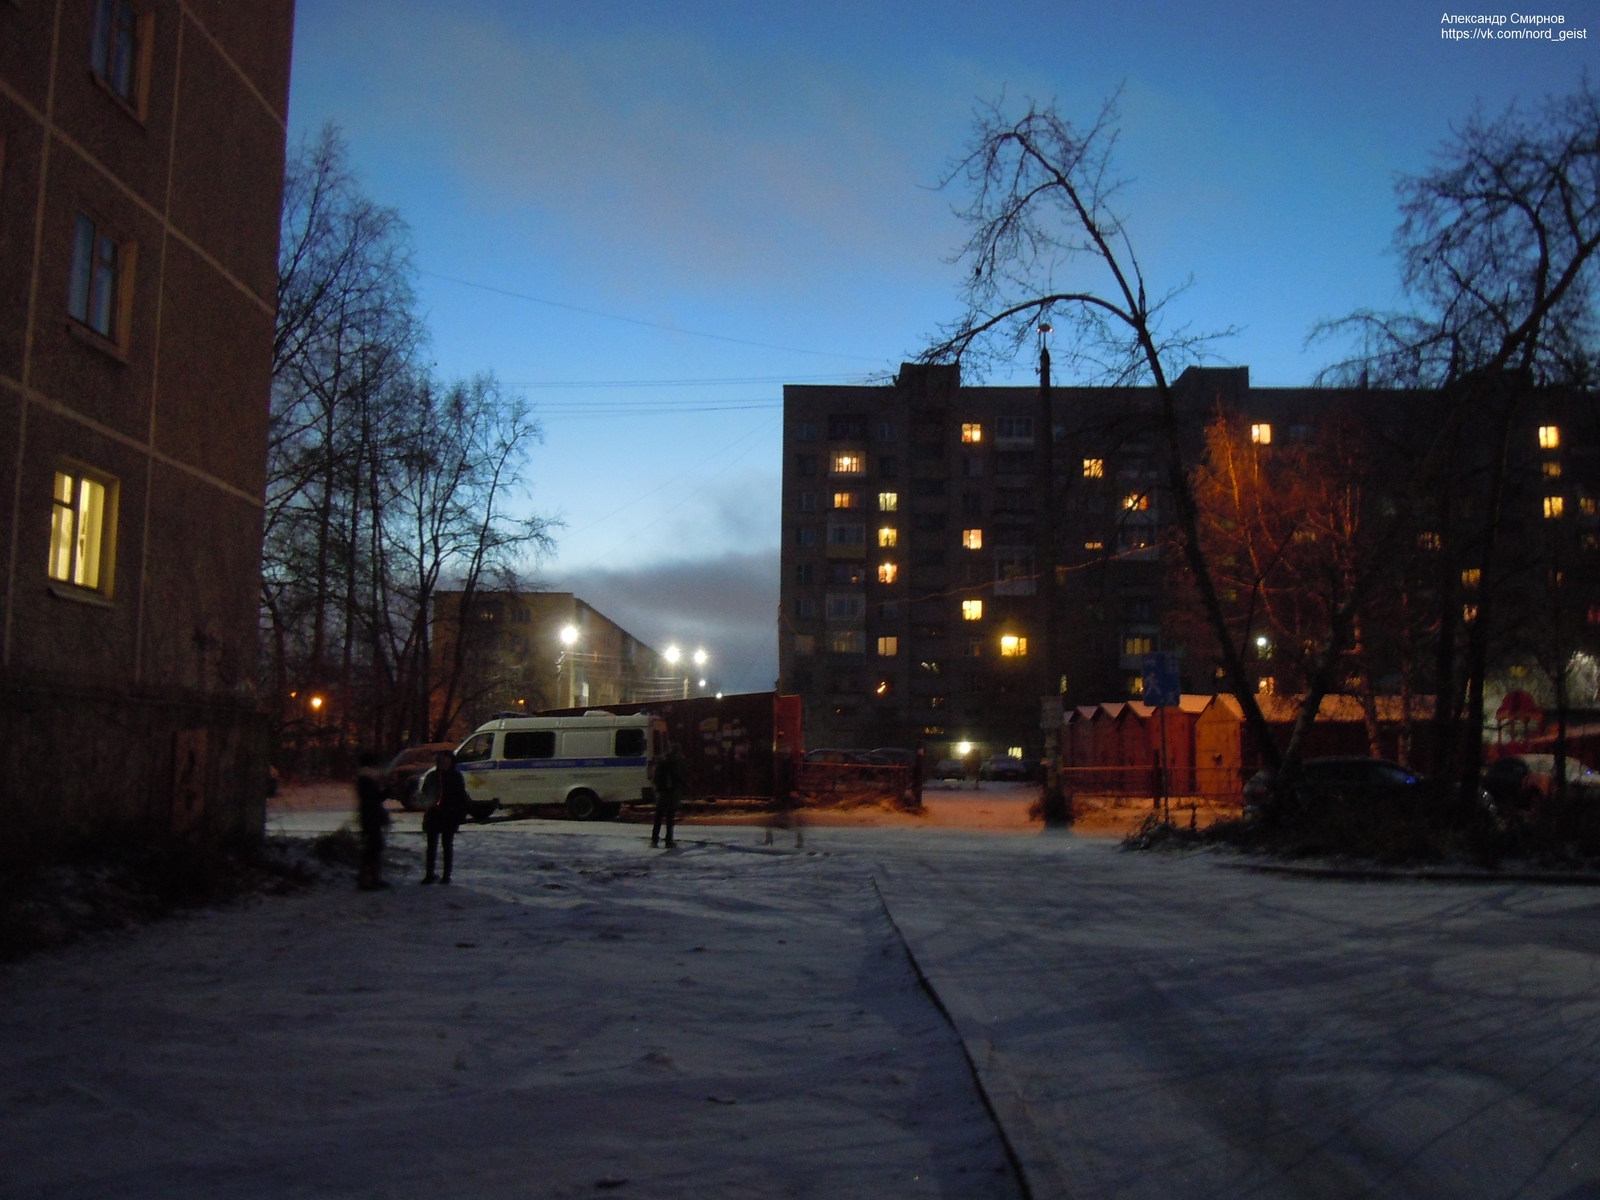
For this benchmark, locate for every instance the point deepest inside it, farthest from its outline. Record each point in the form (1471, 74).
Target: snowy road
(727, 1021)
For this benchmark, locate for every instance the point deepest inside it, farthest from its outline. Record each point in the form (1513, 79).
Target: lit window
(1549, 437)
(81, 528)
(847, 499)
(847, 462)
(1013, 647)
(1138, 645)
(1267, 685)
(1587, 506)
(1554, 506)
(972, 610)
(1014, 752)
(1135, 685)
(972, 434)
(974, 647)
(805, 644)
(114, 53)
(1469, 613)
(888, 647)
(887, 572)
(846, 641)
(1137, 502)
(1094, 545)
(98, 275)
(1428, 540)
(1261, 435)
(888, 536)
(1552, 470)
(1094, 468)
(1471, 576)
(972, 539)
(888, 501)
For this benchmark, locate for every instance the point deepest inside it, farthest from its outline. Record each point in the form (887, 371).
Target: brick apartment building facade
(141, 169)
(911, 606)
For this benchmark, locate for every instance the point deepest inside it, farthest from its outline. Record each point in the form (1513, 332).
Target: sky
(647, 217)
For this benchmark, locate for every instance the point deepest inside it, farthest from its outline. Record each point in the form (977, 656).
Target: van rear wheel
(583, 805)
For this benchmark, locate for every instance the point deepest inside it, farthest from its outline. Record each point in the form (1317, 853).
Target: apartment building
(141, 167)
(915, 525)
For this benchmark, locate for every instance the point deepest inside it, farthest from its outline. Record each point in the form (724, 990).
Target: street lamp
(569, 635)
(700, 657)
(672, 654)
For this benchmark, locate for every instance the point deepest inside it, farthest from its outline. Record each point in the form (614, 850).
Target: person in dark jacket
(669, 791)
(446, 814)
(374, 818)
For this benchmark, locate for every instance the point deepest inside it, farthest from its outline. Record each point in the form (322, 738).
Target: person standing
(669, 791)
(445, 815)
(373, 818)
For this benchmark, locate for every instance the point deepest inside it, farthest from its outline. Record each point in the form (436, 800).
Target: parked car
(1520, 782)
(892, 756)
(1006, 769)
(836, 757)
(1322, 779)
(950, 768)
(405, 771)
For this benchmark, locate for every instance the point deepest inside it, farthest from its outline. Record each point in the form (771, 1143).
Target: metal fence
(1211, 785)
(853, 783)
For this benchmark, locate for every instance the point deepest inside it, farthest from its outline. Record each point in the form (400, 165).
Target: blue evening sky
(765, 173)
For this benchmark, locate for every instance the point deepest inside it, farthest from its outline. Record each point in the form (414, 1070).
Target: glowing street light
(672, 654)
(316, 703)
(702, 683)
(700, 657)
(963, 749)
(569, 635)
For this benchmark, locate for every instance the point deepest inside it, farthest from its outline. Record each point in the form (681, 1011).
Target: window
(887, 572)
(1471, 577)
(928, 556)
(929, 487)
(1137, 502)
(882, 689)
(1019, 462)
(805, 431)
(888, 466)
(1138, 645)
(847, 499)
(972, 610)
(1013, 500)
(888, 647)
(888, 536)
(477, 748)
(1135, 685)
(1094, 545)
(805, 535)
(805, 573)
(1013, 427)
(541, 743)
(1266, 686)
(1549, 437)
(1552, 470)
(82, 531)
(1587, 506)
(805, 464)
(846, 641)
(847, 535)
(1012, 646)
(888, 501)
(806, 608)
(1554, 506)
(1261, 435)
(972, 539)
(887, 432)
(972, 468)
(1094, 468)
(974, 647)
(115, 51)
(1014, 573)
(1013, 751)
(928, 522)
(972, 434)
(805, 644)
(846, 572)
(972, 504)
(808, 502)
(847, 429)
(848, 462)
(931, 667)
(846, 606)
(1469, 613)
(889, 610)
(1428, 540)
(100, 270)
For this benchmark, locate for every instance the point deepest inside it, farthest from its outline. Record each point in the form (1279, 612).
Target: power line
(593, 312)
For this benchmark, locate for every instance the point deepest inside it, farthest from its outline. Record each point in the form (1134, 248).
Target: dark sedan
(1351, 778)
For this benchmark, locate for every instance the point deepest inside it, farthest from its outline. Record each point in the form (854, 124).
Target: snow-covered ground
(732, 1020)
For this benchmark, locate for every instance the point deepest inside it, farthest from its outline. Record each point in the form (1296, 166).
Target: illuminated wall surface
(138, 267)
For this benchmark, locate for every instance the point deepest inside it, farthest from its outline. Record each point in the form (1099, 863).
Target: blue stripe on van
(548, 764)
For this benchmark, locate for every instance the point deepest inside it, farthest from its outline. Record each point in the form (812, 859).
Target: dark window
(805, 573)
(927, 431)
(931, 666)
(805, 464)
(92, 297)
(847, 429)
(886, 432)
(806, 609)
(889, 610)
(846, 572)
(1013, 500)
(925, 452)
(1013, 427)
(928, 487)
(928, 557)
(927, 631)
(536, 743)
(805, 535)
(888, 466)
(808, 502)
(476, 748)
(1014, 462)
(928, 522)
(805, 431)
(115, 51)
(972, 468)
(972, 504)
(630, 743)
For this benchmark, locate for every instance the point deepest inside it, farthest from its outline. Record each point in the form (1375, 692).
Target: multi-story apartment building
(141, 167)
(527, 651)
(914, 526)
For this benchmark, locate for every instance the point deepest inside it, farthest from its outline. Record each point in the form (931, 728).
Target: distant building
(912, 521)
(527, 651)
(141, 169)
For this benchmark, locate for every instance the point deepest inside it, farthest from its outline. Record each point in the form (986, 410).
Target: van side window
(534, 743)
(476, 748)
(630, 743)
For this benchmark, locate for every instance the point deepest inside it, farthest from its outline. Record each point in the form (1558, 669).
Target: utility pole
(1055, 799)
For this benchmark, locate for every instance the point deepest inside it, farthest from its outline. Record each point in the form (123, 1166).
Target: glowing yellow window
(1471, 577)
(972, 610)
(888, 647)
(1469, 613)
(1549, 437)
(1554, 506)
(1587, 506)
(1138, 645)
(1552, 470)
(1137, 502)
(79, 532)
(1012, 646)
(883, 687)
(847, 499)
(887, 572)
(1094, 545)
(1094, 468)
(1261, 435)
(888, 501)
(846, 462)
(972, 539)
(972, 434)
(1428, 540)
(888, 536)
(1267, 685)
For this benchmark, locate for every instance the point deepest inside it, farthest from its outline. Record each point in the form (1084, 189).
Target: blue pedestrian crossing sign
(1161, 687)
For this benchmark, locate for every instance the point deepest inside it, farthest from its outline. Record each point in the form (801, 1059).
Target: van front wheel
(583, 805)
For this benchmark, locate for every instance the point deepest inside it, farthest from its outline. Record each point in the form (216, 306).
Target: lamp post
(569, 639)
(1055, 799)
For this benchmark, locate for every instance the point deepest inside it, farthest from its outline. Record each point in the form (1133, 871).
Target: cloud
(728, 604)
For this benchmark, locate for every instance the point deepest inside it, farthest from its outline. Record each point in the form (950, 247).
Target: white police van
(586, 763)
